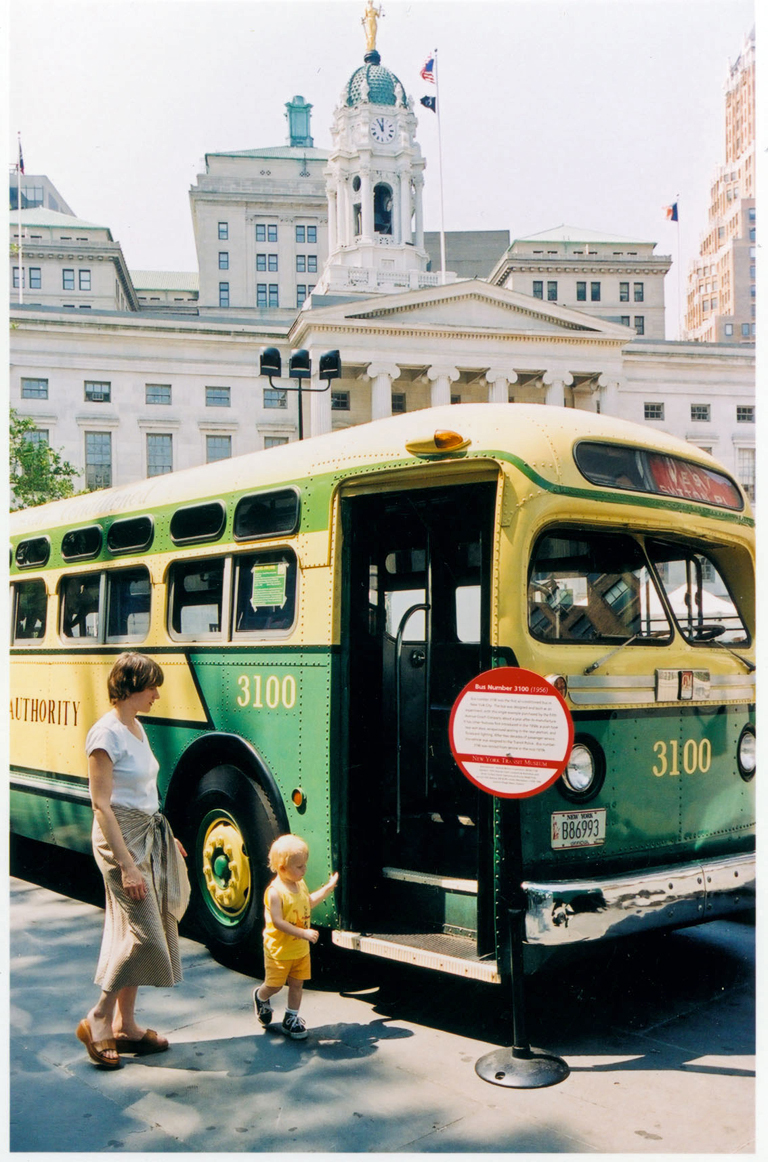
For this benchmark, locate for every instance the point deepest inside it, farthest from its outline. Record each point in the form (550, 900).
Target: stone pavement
(659, 1037)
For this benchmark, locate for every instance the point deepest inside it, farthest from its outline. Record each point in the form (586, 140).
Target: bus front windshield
(697, 594)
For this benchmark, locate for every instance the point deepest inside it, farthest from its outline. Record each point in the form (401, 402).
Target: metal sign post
(511, 734)
(300, 368)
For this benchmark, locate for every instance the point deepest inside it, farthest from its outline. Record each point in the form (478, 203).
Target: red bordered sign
(511, 732)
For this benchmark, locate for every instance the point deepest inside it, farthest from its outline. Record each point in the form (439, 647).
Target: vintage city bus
(317, 608)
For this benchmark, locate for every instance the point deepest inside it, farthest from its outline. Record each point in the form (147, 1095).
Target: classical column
(332, 219)
(498, 385)
(405, 207)
(609, 395)
(418, 186)
(382, 376)
(366, 198)
(555, 383)
(441, 378)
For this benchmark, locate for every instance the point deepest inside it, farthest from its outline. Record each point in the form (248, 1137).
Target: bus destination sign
(510, 732)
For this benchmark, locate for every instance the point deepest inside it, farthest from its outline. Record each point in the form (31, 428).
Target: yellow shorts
(276, 972)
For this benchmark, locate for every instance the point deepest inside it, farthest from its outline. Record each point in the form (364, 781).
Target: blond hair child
(287, 934)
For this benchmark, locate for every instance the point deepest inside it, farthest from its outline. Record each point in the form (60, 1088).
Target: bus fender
(212, 750)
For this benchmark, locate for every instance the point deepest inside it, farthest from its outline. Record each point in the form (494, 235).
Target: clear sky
(593, 113)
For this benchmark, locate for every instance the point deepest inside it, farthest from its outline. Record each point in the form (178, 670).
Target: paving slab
(658, 1035)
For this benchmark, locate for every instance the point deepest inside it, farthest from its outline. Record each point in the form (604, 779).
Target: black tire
(227, 831)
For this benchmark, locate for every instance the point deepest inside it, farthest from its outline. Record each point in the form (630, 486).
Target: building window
(312, 264)
(157, 393)
(745, 414)
(538, 290)
(729, 330)
(217, 448)
(301, 234)
(623, 292)
(272, 262)
(223, 294)
(745, 470)
(266, 233)
(68, 279)
(98, 460)
(398, 403)
(36, 277)
(340, 401)
(275, 441)
(625, 320)
(217, 397)
(34, 389)
(301, 264)
(552, 292)
(594, 292)
(581, 292)
(261, 294)
(98, 391)
(223, 231)
(274, 397)
(261, 262)
(84, 279)
(752, 213)
(301, 294)
(639, 291)
(223, 260)
(273, 299)
(752, 234)
(700, 413)
(745, 330)
(37, 436)
(311, 233)
(653, 411)
(159, 454)
(640, 324)
(16, 277)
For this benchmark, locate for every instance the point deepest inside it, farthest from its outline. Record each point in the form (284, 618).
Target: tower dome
(373, 82)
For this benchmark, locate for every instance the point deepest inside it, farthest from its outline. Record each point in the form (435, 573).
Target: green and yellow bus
(317, 608)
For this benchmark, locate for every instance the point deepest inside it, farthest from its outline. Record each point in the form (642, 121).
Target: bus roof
(537, 435)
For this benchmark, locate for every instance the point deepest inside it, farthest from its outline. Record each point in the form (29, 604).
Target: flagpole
(680, 275)
(440, 166)
(18, 207)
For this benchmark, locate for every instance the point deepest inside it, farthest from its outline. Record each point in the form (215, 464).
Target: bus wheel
(228, 831)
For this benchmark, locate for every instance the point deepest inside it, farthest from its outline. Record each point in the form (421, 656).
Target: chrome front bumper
(580, 910)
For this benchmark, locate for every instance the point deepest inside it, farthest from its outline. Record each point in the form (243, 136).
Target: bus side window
(128, 605)
(30, 611)
(80, 606)
(265, 592)
(197, 589)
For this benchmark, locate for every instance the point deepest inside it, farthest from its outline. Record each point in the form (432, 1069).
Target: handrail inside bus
(398, 651)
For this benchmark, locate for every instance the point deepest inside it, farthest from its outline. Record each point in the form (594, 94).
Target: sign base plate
(521, 1068)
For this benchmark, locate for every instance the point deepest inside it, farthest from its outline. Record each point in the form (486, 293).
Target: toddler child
(287, 934)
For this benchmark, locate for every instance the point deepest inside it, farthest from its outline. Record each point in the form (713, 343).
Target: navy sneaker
(294, 1027)
(262, 1009)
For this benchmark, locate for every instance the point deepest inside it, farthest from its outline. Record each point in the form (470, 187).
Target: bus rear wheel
(228, 830)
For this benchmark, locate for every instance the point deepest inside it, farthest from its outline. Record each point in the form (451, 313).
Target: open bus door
(415, 834)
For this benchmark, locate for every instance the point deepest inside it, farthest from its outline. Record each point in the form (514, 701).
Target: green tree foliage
(37, 472)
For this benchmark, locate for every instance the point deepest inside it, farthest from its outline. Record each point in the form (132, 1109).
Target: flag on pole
(430, 103)
(671, 212)
(428, 68)
(21, 157)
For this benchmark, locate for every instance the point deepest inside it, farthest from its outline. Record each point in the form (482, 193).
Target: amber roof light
(443, 443)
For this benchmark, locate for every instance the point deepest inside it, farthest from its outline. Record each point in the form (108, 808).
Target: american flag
(428, 68)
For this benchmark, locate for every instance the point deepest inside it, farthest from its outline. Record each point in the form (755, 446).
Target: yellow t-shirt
(296, 910)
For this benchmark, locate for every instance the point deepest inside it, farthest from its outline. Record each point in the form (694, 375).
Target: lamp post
(299, 368)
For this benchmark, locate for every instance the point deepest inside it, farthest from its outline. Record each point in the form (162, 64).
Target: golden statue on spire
(370, 22)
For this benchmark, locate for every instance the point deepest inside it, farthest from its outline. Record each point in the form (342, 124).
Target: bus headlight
(585, 773)
(746, 753)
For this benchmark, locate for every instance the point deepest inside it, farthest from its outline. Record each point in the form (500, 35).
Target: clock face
(383, 129)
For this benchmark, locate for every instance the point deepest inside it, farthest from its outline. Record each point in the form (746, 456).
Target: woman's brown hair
(131, 674)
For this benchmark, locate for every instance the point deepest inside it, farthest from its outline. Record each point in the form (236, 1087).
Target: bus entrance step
(452, 954)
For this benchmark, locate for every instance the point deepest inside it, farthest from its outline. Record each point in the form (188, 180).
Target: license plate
(578, 828)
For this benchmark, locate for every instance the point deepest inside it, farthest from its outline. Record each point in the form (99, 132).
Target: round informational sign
(511, 732)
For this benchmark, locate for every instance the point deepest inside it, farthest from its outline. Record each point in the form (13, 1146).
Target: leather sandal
(151, 1042)
(96, 1049)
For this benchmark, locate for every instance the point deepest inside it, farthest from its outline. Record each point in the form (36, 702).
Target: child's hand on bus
(312, 935)
(332, 882)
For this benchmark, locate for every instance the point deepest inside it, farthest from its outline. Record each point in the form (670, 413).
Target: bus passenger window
(129, 599)
(698, 595)
(80, 607)
(30, 610)
(593, 587)
(468, 613)
(265, 592)
(197, 589)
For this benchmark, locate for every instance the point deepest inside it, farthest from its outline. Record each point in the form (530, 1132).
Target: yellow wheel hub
(226, 867)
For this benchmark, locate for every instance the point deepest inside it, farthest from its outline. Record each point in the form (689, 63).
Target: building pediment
(472, 306)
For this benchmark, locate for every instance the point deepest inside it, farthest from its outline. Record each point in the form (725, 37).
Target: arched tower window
(357, 211)
(382, 209)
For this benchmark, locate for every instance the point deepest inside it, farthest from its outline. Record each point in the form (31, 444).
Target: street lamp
(299, 368)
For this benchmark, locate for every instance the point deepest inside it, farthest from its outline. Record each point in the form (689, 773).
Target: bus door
(417, 621)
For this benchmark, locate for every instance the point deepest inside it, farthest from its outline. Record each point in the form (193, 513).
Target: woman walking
(145, 878)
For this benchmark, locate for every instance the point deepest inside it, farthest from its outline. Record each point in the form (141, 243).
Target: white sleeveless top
(134, 767)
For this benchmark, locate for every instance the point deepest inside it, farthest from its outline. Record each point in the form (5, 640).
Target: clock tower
(374, 181)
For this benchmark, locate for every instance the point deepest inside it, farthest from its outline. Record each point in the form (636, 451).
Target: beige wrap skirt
(140, 945)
